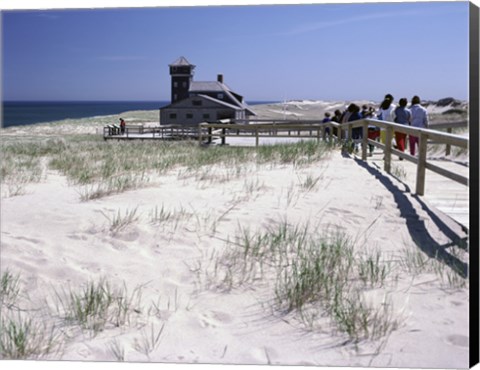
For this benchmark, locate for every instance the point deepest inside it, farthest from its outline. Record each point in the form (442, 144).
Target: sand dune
(178, 258)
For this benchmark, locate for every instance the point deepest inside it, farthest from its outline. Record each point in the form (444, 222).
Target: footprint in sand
(458, 340)
(346, 215)
(214, 319)
(31, 240)
(77, 237)
(127, 236)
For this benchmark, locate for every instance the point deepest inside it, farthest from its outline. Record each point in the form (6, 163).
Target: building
(193, 102)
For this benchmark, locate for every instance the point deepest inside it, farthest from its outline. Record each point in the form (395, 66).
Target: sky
(354, 51)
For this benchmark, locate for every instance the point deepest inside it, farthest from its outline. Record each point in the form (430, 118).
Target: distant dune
(315, 109)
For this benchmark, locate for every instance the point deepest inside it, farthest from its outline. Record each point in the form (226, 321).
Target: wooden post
(209, 141)
(349, 132)
(256, 137)
(448, 148)
(422, 160)
(200, 134)
(388, 149)
(223, 136)
(364, 141)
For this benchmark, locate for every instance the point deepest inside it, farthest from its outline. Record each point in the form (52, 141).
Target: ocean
(28, 113)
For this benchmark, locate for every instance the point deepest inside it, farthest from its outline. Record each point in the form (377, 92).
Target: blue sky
(321, 51)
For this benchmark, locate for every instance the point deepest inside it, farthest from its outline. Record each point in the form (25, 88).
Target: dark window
(184, 84)
(206, 116)
(220, 96)
(173, 116)
(189, 115)
(197, 102)
(175, 84)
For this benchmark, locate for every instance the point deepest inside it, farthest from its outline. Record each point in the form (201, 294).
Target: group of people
(416, 116)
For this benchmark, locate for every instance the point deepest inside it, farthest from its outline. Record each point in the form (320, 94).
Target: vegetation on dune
(308, 271)
(101, 168)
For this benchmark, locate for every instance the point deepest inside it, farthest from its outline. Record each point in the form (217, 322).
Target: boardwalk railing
(280, 129)
(143, 133)
(326, 131)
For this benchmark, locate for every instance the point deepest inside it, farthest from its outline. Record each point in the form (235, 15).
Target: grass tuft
(9, 289)
(98, 305)
(22, 338)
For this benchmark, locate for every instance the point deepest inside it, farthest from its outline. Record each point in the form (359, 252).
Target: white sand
(54, 240)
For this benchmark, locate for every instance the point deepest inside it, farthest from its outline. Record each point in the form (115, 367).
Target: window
(175, 84)
(184, 84)
(197, 103)
(189, 115)
(220, 96)
(206, 116)
(173, 115)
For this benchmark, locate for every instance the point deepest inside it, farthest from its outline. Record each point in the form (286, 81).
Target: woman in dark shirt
(402, 116)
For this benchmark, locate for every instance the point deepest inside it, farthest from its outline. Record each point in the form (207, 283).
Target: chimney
(220, 78)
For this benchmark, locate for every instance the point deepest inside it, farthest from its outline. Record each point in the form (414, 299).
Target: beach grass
(22, 335)
(119, 221)
(317, 273)
(9, 289)
(100, 168)
(97, 305)
(23, 338)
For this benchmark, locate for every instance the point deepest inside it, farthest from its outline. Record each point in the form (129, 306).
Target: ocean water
(28, 113)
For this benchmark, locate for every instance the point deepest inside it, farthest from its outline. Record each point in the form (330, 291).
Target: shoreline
(306, 109)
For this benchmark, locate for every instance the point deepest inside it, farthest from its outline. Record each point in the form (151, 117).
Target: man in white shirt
(419, 119)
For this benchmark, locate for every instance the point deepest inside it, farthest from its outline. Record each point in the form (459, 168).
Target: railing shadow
(416, 226)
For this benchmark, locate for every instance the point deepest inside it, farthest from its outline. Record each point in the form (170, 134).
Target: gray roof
(182, 61)
(198, 86)
(220, 102)
(206, 97)
(215, 86)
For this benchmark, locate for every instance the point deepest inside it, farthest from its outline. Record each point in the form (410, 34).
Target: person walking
(402, 116)
(373, 131)
(122, 126)
(386, 113)
(326, 119)
(357, 132)
(419, 119)
(337, 117)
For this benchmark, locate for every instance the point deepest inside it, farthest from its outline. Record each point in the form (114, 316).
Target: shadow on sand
(416, 226)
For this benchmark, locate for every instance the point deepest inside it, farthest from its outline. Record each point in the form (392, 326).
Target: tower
(182, 74)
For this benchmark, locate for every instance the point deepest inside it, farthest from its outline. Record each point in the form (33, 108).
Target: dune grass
(101, 168)
(24, 338)
(22, 335)
(317, 273)
(9, 289)
(97, 305)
